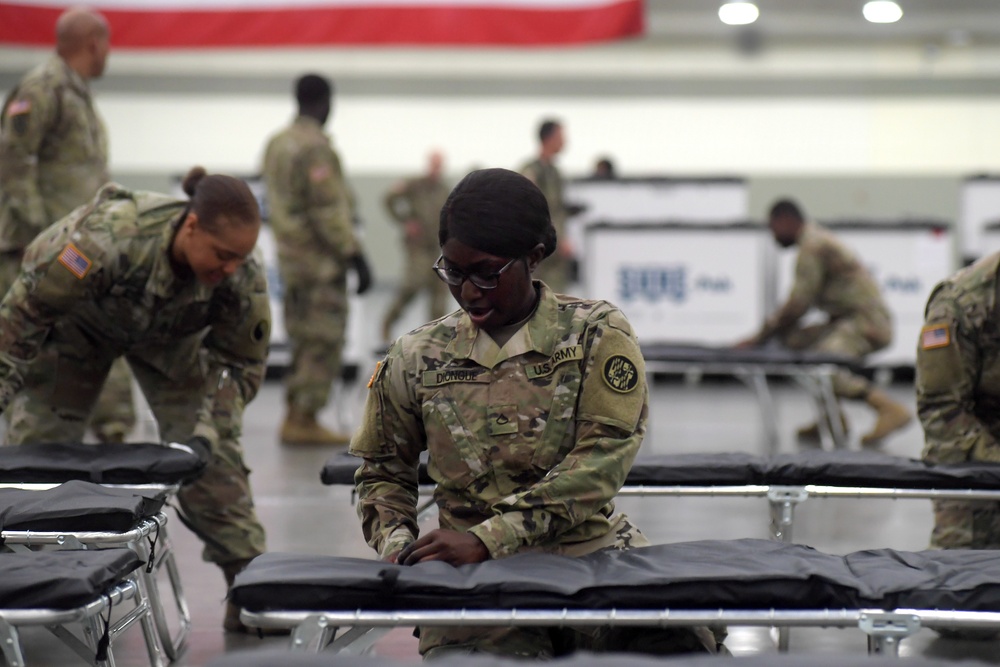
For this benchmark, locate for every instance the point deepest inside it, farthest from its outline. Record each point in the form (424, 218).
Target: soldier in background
(172, 286)
(416, 205)
(53, 158)
(830, 278)
(531, 406)
(310, 213)
(542, 171)
(958, 395)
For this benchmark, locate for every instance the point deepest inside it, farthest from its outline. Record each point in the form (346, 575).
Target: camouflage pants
(316, 320)
(59, 397)
(418, 278)
(964, 524)
(843, 336)
(114, 415)
(544, 642)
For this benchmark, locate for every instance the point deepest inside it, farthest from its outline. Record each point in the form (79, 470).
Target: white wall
(710, 135)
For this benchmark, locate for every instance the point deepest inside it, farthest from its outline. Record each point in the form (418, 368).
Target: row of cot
(849, 473)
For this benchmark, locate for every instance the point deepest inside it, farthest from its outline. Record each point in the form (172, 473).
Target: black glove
(202, 447)
(360, 265)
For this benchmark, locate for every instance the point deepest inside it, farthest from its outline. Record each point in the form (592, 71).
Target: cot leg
(358, 640)
(757, 380)
(172, 644)
(782, 501)
(314, 630)
(11, 644)
(886, 630)
(833, 423)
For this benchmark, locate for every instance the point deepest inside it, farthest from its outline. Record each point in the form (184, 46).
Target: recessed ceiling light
(738, 13)
(882, 11)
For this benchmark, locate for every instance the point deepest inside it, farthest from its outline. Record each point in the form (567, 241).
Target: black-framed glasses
(455, 277)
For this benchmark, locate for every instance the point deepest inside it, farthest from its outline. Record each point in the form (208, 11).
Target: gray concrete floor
(302, 515)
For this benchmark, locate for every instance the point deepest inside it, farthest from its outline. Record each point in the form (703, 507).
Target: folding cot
(56, 589)
(784, 480)
(270, 658)
(813, 371)
(887, 594)
(78, 514)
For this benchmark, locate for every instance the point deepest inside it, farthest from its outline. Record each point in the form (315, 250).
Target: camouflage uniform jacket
(308, 200)
(548, 179)
(528, 444)
(829, 277)
(419, 199)
(101, 278)
(53, 152)
(958, 367)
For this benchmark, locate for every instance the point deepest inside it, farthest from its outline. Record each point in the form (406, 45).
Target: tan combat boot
(231, 622)
(891, 416)
(811, 432)
(301, 428)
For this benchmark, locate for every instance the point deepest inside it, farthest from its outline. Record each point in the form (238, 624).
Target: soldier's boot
(890, 417)
(811, 432)
(301, 428)
(231, 622)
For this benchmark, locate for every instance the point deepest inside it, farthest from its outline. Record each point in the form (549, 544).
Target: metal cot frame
(157, 551)
(91, 617)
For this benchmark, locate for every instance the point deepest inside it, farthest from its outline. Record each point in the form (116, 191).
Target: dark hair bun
(190, 183)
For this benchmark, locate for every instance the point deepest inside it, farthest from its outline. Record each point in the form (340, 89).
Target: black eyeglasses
(455, 277)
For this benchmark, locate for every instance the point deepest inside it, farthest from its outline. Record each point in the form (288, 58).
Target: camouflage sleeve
(530, 172)
(389, 442)
(328, 208)
(63, 266)
(610, 423)
(25, 122)
(399, 202)
(236, 346)
(947, 366)
(809, 276)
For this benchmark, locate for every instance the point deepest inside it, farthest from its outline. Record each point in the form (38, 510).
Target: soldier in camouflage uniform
(531, 406)
(958, 395)
(416, 204)
(310, 212)
(171, 287)
(830, 278)
(53, 158)
(542, 171)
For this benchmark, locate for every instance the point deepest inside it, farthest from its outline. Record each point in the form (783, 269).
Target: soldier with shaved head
(53, 158)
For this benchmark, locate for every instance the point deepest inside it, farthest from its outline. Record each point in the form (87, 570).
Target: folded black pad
(133, 463)
(737, 574)
(286, 658)
(61, 579)
(76, 506)
(706, 354)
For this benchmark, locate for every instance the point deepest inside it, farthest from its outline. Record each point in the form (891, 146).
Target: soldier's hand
(450, 546)
(360, 266)
(202, 447)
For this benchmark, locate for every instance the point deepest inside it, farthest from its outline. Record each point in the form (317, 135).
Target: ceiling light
(738, 13)
(882, 11)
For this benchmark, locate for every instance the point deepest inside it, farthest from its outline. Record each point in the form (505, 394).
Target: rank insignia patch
(620, 374)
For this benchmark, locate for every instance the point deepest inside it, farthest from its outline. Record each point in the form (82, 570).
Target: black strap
(105, 641)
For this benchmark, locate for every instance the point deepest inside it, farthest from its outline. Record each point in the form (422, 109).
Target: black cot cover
(76, 506)
(286, 658)
(61, 579)
(133, 463)
(749, 573)
(836, 468)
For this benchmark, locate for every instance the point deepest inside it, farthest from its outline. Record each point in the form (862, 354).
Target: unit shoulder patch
(620, 374)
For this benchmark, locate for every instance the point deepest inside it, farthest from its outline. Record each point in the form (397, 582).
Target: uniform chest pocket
(556, 414)
(455, 439)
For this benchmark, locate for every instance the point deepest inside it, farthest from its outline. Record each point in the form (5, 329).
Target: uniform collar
(537, 335)
(310, 121)
(162, 280)
(75, 81)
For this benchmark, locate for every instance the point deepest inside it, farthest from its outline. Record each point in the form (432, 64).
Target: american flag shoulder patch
(74, 260)
(935, 335)
(18, 107)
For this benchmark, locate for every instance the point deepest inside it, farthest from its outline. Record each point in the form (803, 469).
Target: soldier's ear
(535, 256)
